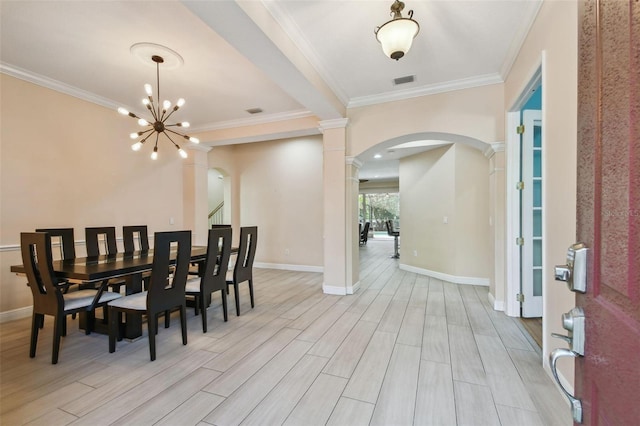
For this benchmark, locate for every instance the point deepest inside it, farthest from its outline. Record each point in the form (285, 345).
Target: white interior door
(531, 214)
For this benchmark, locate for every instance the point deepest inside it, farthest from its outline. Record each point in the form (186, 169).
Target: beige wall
(427, 185)
(215, 189)
(477, 113)
(68, 163)
(554, 34)
(450, 182)
(278, 185)
(474, 257)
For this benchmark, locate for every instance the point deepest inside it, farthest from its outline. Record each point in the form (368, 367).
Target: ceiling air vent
(404, 80)
(254, 110)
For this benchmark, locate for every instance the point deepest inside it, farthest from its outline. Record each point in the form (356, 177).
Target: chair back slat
(67, 243)
(92, 237)
(38, 263)
(246, 254)
(167, 290)
(217, 262)
(133, 234)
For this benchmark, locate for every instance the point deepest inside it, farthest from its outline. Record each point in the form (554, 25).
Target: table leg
(133, 322)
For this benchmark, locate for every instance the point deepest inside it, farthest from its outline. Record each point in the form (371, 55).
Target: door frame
(512, 157)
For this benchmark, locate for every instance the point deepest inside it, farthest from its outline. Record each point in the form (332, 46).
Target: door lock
(573, 321)
(574, 272)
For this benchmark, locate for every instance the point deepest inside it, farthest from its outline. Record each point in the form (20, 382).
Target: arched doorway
(447, 202)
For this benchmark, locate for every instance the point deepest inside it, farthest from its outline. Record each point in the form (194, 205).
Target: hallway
(406, 349)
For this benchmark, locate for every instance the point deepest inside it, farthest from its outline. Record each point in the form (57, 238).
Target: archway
(447, 195)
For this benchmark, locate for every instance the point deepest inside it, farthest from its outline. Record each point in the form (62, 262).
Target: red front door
(608, 214)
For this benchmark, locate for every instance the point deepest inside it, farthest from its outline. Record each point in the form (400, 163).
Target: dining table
(130, 266)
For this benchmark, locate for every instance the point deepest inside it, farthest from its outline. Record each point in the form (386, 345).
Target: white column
(334, 198)
(352, 232)
(497, 208)
(195, 193)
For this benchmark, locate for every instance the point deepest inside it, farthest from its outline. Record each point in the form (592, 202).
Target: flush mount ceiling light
(396, 35)
(160, 114)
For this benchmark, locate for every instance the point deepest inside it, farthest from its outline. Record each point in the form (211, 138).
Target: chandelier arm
(170, 112)
(168, 137)
(176, 133)
(151, 106)
(145, 131)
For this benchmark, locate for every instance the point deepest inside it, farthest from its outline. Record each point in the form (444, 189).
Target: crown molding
(56, 85)
(431, 89)
(533, 8)
(252, 121)
(296, 35)
(338, 123)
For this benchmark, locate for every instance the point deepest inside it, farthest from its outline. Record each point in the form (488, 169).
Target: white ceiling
(291, 58)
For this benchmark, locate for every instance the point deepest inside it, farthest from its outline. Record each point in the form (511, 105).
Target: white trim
(446, 277)
(58, 86)
(334, 289)
(533, 8)
(465, 83)
(336, 123)
(16, 314)
(287, 267)
(340, 290)
(10, 247)
(353, 161)
(251, 121)
(498, 305)
(493, 148)
(288, 134)
(512, 159)
(198, 147)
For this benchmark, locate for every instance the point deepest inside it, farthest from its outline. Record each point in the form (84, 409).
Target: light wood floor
(406, 349)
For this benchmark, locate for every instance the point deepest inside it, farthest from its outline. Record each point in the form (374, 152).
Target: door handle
(576, 404)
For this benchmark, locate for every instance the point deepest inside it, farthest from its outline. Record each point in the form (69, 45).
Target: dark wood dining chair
(243, 268)
(165, 291)
(62, 238)
(215, 274)
(48, 298)
(364, 234)
(135, 238)
(66, 242)
(101, 240)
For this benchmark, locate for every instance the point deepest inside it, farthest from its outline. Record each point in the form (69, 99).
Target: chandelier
(160, 115)
(396, 35)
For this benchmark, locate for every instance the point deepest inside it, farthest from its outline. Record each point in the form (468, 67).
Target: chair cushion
(83, 298)
(137, 301)
(193, 285)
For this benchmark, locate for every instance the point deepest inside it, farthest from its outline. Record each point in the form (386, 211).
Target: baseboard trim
(15, 314)
(446, 277)
(334, 289)
(286, 267)
(498, 305)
